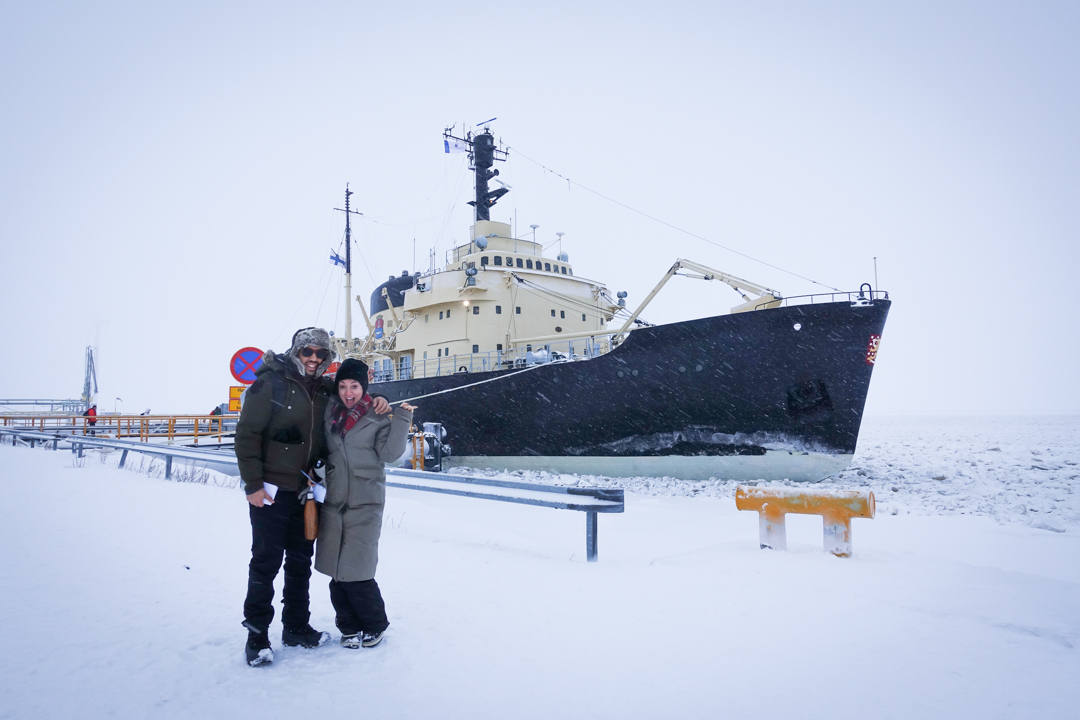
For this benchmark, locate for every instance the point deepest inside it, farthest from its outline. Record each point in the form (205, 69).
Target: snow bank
(122, 594)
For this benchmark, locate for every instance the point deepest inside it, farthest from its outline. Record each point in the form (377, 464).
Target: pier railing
(205, 428)
(38, 406)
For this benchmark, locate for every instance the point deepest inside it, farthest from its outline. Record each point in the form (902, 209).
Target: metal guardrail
(588, 500)
(78, 443)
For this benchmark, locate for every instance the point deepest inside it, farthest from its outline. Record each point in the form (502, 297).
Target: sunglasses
(321, 353)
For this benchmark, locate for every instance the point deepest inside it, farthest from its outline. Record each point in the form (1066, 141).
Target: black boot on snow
(372, 639)
(305, 636)
(258, 649)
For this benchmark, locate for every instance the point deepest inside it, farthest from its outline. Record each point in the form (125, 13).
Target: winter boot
(351, 641)
(258, 649)
(305, 636)
(372, 639)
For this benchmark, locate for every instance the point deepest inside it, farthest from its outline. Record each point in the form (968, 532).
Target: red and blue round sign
(245, 363)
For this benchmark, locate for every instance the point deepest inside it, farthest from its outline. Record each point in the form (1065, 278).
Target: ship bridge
(498, 303)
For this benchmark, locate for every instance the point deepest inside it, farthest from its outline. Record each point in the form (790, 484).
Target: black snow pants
(278, 530)
(359, 607)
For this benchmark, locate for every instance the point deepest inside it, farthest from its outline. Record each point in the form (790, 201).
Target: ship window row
(526, 264)
(498, 311)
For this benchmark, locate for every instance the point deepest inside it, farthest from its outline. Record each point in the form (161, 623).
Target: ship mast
(348, 269)
(482, 154)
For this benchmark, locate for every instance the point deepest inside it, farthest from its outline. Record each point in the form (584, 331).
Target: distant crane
(90, 378)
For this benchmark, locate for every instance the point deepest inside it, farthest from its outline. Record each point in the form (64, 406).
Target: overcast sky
(169, 173)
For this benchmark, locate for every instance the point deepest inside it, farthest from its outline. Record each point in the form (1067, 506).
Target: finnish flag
(454, 145)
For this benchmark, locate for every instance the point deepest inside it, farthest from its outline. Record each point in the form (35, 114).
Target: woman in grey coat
(359, 443)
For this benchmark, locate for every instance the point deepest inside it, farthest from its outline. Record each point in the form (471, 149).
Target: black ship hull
(775, 393)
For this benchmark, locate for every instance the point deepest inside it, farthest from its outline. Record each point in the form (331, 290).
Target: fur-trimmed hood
(316, 337)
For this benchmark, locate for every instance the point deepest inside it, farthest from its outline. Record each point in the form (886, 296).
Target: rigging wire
(671, 225)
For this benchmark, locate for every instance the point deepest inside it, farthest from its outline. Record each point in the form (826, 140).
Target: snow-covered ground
(121, 596)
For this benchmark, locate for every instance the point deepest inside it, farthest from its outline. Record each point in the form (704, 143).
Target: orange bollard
(836, 508)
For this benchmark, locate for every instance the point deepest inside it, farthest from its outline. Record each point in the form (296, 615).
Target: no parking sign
(245, 363)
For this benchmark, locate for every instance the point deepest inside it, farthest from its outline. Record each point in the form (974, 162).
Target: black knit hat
(353, 369)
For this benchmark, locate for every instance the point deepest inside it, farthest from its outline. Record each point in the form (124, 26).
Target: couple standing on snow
(292, 418)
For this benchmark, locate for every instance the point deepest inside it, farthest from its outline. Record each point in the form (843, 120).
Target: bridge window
(563, 269)
(483, 259)
(475, 309)
(528, 264)
(552, 312)
(520, 264)
(440, 314)
(499, 347)
(562, 314)
(439, 353)
(498, 309)
(582, 317)
(475, 348)
(517, 309)
(448, 313)
(509, 261)
(498, 259)
(547, 267)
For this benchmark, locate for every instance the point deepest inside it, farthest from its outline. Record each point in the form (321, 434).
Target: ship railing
(205, 428)
(572, 349)
(855, 297)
